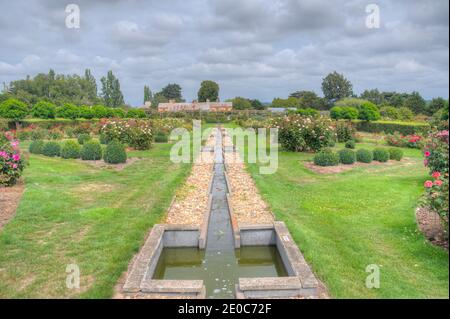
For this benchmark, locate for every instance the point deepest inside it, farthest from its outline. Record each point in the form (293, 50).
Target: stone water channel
(219, 265)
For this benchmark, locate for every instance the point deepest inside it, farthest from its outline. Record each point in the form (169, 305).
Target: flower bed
(400, 140)
(11, 161)
(136, 133)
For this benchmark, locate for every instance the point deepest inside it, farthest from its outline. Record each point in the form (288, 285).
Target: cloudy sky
(253, 48)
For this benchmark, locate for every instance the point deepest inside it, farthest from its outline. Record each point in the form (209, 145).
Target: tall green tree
(373, 96)
(147, 94)
(241, 103)
(436, 104)
(309, 99)
(209, 90)
(90, 85)
(111, 93)
(335, 87)
(172, 92)
(257, 105)
(415, 103)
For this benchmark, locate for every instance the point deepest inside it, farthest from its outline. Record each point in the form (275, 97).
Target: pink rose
(428, 184)
(436, 175)
(16, 157)
(14, 166)
(438, 182)
(427, 154)
(425, 162)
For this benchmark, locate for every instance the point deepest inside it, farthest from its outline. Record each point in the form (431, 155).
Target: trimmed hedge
(36, 147)
(347, 156)
(405, 128)
(91, 151)
(364, 156)
(115, 153)
(51, 149)
(326, 158)
(395, 154)
(70, 149)
(381, 154)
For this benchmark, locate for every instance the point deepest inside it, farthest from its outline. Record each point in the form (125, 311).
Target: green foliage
(387, 127)
(115, 153)
(83, 138)
(161, 138)
(257, 105)
(241, 103)
(209, 90)
(335, 87)
(381, 154)
(290, 102)
(374, 96)
(111, 93)
(364, 156)
(326, 158)
(415, 103)
(36, 147)
(11, 161)
(395, 154)
(351, 101)
(103, 138)
(136, 114)
(369, 112)
(70, 149)
(100, 111)
(39, 134)
(147, 94)
(435, 105)
(51, 149)
(350, 144)
(136, 133)
(91, 151)
(86, 112)
(347, 156)
(308, 112)
(44, 110)
(68, 111)
(118, 112)
(172, 91)
(309, 99)
(345, 131)
(390, 113)
(13, 109)
(399, 140)
(344, 113)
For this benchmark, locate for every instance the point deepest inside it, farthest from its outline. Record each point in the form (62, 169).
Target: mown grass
(344, 222)
(73, 213)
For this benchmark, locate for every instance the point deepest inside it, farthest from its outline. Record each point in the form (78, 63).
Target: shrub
(326, 158)
(297, 133)
(364, 156)
(347, 156)
(44, 110)
(136, 113)
(161, 138)
(345, 131)
(350, 144)
(70, 149)
(115, 153)
(136, 133)
(118, 112)
(390, 113)
(387, 127)
(381, 155)
(308, 112)
(51, 149)
(399, 140)
(36, 147)
(11, 161)
(84, 137)
(395, 154)
(68, 111)
(99, 111)
(436, 159)
(86, 112)
(39, 134)
(91, 150)
(369, 112)
(13, 109)
(336, 113)
(405, 114)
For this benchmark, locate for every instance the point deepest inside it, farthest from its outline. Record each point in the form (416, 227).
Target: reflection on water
(219, 270)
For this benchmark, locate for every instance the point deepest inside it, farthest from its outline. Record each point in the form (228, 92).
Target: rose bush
(11, 161)
(399, 140)
(136, 133)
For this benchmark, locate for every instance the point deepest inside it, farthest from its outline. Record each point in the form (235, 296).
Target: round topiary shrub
(395, 154)
(326, 158)
(351, 144)
(91, 151)
(161, 138)
(364, 156)
(347, 156)
(51, 149)
(70, 149)
(381, 155)
(115, 153)
(84, 137)
(36, 147)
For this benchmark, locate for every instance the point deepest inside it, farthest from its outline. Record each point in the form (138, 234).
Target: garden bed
(343, 168)
(9, 201)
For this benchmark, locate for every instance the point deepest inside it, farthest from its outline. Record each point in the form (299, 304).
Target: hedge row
(405, 128)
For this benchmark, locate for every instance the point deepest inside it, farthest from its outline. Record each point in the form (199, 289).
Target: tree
(405, 114)
(257, 105)
(172, 92)
(390, 112)
(44, 110)
(369, 112)
(90, 85)
(290, 102)
(147, 94)
(158, 98)
(13, 109)
(209, 90)
(68, 111)
(335, 87)
(415, 103)
(111, 93)
(435, 105)
(240, 103)
(373, 96)
(309, 99)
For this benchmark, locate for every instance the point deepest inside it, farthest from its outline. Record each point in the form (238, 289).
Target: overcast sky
(253, 48)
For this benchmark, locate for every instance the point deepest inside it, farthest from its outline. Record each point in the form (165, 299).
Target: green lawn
(344, 222)
(95, 218)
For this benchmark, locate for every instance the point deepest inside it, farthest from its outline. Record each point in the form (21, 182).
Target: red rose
(428, 184)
